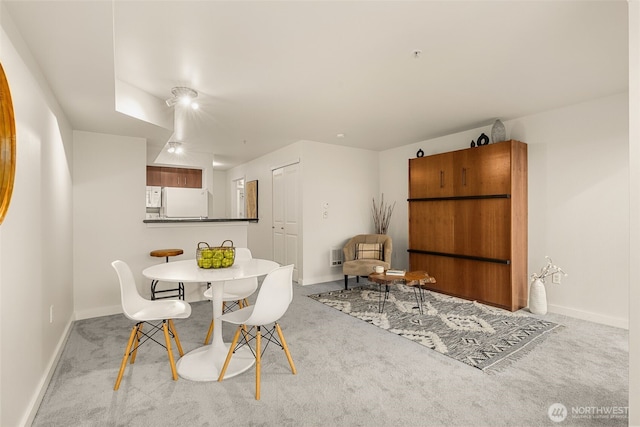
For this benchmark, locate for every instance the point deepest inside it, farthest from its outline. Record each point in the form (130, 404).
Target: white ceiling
(273, 73)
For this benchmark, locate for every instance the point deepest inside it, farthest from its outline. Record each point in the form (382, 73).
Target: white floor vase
(538, 297)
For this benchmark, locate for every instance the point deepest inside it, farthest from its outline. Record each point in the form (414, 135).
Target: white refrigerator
(185, 202)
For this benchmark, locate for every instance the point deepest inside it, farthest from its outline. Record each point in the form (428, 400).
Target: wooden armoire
(468, 222)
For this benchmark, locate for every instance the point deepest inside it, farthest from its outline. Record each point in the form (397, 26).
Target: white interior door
(237, 204)
(286, 217)
(278, 215)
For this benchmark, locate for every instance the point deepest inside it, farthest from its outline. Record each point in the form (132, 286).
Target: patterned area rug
(476, 334)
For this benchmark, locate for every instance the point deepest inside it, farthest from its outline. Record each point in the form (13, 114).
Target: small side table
(416, 279)
(177, 292)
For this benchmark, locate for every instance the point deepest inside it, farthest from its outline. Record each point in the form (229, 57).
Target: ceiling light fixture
(175, 147)
(184, 96)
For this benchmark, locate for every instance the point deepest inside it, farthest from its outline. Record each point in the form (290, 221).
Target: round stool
(166, 253)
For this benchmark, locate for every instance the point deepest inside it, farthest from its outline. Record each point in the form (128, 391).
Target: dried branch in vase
(548, 270)
(381, 215)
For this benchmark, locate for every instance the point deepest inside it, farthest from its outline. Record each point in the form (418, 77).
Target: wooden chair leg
(258, 357)
(132, 336)
(232, 347)
(246, 302)
(173, 330)
(286, 349)
(137, 343)
(209, 332)
(172, 362)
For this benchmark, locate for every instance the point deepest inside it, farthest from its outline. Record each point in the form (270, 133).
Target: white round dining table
(205, 363)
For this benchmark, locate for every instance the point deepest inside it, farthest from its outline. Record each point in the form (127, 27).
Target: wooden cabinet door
(154, 177)
(483, 170)
(432, 226)
(443, 269)
(476, 171)
(174, 177)
(169, 177)
(431, 176)
(192, 178)
(474, 280)
(486, 282)
(483, 228)
(470, 227)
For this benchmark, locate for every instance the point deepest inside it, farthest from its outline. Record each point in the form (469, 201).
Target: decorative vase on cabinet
(538, 297)
(498, 132)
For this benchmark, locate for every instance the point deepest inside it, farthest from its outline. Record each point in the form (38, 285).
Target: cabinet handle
(441, 179)
(464, 176)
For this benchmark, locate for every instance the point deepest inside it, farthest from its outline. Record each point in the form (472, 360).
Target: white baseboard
(34, 405)
(617, 322)
(320, 279)
(117, 309)
(98, 312)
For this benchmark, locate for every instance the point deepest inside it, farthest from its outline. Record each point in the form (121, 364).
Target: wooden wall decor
(7, 145)
(251, 198)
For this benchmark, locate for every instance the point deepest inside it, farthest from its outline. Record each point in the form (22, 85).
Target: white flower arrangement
(548, 270)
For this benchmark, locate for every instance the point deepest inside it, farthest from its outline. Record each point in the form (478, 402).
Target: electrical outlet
(51, 313)
(557, 278)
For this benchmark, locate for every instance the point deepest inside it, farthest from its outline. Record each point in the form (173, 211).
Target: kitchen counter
(196, 220)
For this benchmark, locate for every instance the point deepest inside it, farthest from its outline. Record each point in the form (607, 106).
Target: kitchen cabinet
(174, 177)
(468, 222)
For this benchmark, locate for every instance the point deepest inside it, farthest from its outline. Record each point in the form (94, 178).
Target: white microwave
(154, 197)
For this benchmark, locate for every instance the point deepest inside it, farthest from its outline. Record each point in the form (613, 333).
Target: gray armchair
(360, 260)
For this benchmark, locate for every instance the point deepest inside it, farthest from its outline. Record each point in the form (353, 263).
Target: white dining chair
(236, 291)
(273, 300)
(159, 314)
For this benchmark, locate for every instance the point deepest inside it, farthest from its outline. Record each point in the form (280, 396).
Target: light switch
(325, 210)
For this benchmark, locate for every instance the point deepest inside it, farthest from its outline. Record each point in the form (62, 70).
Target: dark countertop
(196, 220)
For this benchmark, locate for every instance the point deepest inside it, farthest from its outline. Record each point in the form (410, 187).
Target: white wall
(578, 201)
(35, 237)
(219, 206)
(347, 179)
(579, 176)
(109, 180)
(634, 211)
(259, 235)
(344, 177)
